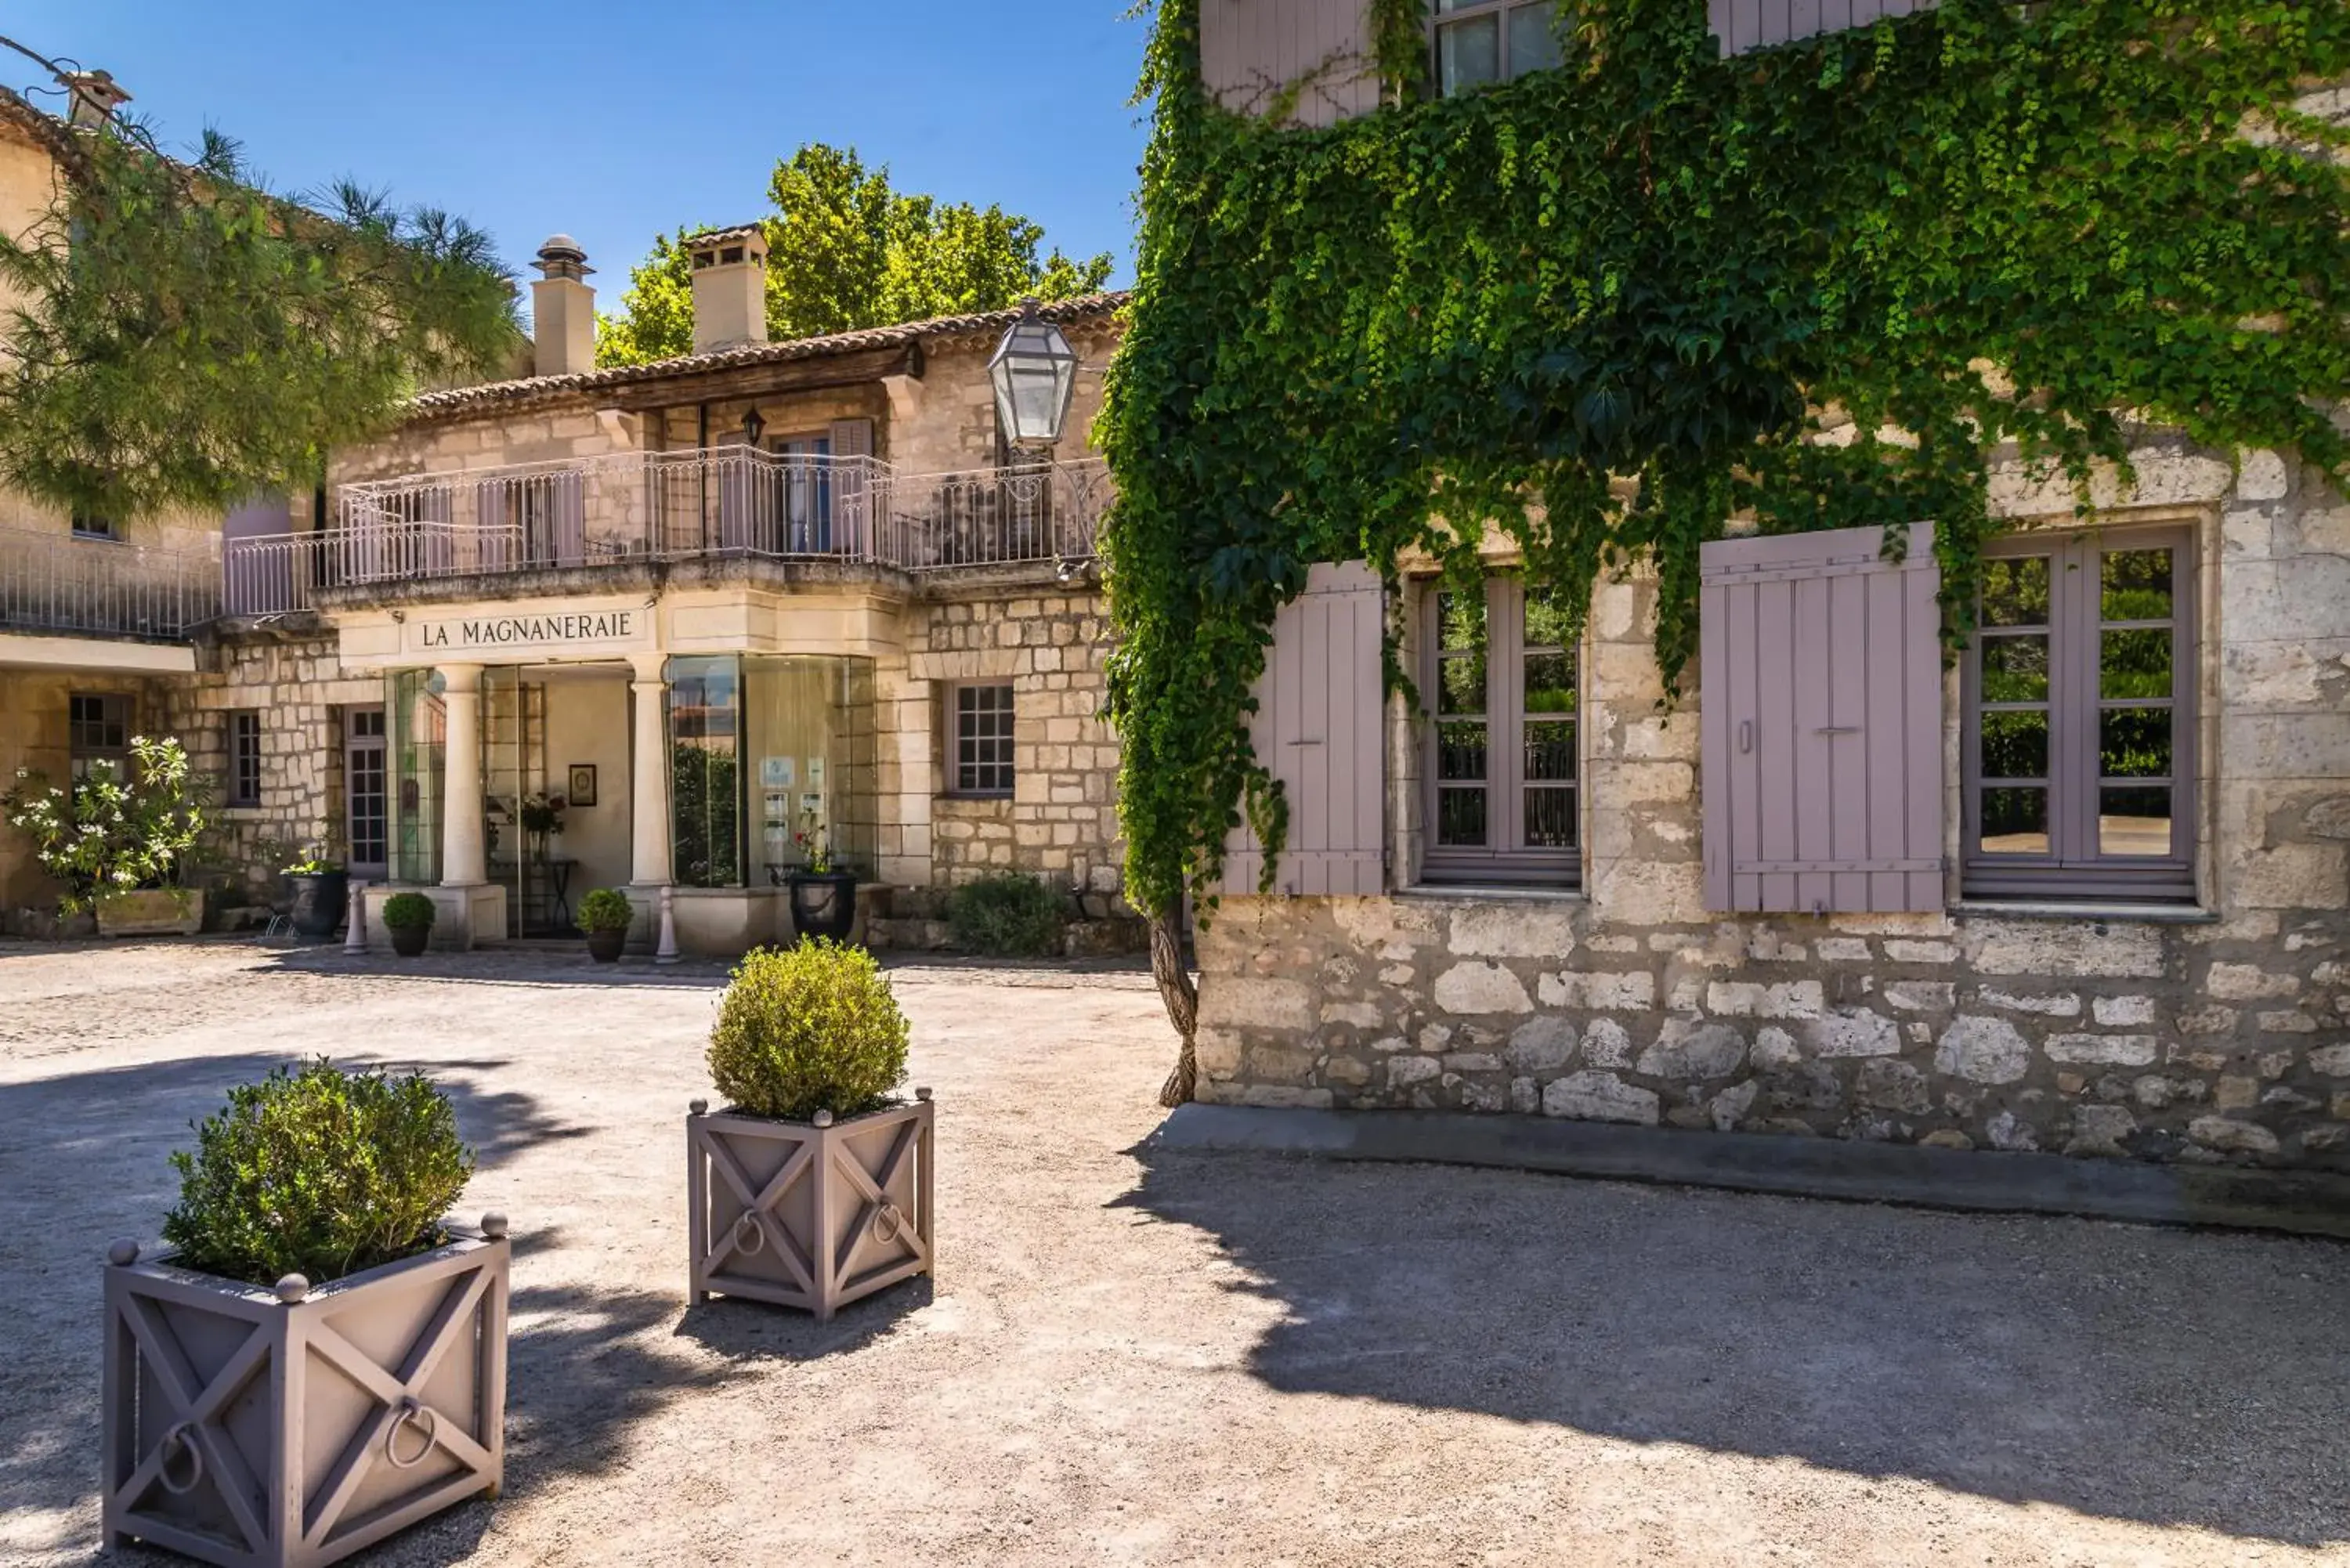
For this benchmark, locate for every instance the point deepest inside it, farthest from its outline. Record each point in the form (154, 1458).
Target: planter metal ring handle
(179, 1438)
(412, 1412)
(749, 1241)
(889, 1224)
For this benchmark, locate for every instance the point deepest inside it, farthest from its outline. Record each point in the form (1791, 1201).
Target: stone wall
(2222, 1032)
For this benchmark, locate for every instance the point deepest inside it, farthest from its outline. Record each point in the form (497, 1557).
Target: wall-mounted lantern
(1034, 373)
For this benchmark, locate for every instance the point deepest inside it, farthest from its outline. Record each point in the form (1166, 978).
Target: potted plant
(409, 918)
(119, 839)
(606, 915)
(823, 895)
(318, 890)
(317, 1358)
(809, 1050)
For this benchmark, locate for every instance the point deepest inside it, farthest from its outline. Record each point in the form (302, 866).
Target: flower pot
(257, 1427)
(151, 913)
(605, 947)
(409, 941)
(320, 900)
(807, 1216)
(824, 903)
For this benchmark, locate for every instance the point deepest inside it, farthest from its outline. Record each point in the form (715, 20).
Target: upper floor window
(1501, 744)
(1481, 41)
(87, 527)
(97, 731)
(2079, 736)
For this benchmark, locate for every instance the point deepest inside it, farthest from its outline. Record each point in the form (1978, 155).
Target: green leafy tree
(183, 338)
(848, 250)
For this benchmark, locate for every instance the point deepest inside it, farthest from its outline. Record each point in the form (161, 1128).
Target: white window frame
(1502, 12)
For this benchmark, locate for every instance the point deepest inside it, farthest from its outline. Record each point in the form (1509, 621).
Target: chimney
(730, 288)
(94, 96)
(562, 310)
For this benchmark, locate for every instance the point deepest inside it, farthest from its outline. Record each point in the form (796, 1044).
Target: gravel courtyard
(1134, 1356)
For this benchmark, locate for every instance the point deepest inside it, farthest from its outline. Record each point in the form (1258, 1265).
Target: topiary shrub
(606, 910)
(807, 1029)
(318, 1173)
(1007, 915)
(408, 912)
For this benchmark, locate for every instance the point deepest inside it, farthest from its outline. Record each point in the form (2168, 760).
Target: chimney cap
(560, 256)
(748, 243)
(95, 96)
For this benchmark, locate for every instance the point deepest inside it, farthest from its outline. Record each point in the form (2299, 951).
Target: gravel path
(1132, 1356)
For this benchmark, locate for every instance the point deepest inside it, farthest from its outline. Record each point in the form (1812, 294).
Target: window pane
(1460, 751)
(1546, 619)
(1460, 622)
(1469, 53)
(2134, 742)
(1460, 684)
(1460, 817)
(2015, 591)
(2015, 745)
(1550, 819)
(2137, 584)
(2016, 669)
(1533, 38)
(1550, 683)
(2015, 822)
(2135, 664)
(1550, 751)
(2134, 822)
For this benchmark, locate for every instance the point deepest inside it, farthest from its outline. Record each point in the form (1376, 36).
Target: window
(366, 797)
(99, 731)
(2079, 718)
(1501, 744)
(86, 527)
(982, 741)
(1481, 41)
(705, 724)
(244, 757)
(806, 501)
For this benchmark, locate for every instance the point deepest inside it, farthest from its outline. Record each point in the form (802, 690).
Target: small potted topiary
(606, 915)
(317, 1359)
(409, 918)
(812, 1187)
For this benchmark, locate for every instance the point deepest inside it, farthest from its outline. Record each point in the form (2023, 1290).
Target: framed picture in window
(583, 784)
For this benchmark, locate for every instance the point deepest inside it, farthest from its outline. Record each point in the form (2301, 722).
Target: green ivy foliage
(1604, 307)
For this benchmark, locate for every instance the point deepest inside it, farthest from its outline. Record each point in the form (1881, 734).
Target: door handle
(1839, 730)
(1745, 734)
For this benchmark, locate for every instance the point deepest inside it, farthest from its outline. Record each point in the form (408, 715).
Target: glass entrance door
(367, 795)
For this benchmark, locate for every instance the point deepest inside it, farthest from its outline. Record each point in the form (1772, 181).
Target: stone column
(649, 862)
(464, 851)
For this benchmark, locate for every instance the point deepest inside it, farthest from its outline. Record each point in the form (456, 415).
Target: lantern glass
(1035, 373)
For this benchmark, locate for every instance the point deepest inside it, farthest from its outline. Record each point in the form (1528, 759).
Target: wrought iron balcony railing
(72, 586)
(720, 503)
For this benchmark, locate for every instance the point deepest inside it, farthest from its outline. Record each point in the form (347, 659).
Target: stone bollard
(355, 938)
(665, 951)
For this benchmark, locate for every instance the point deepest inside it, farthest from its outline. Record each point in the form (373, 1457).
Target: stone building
(2085, 892)
(764, 599)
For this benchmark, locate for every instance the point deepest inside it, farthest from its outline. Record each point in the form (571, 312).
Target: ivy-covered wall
(1979, 226)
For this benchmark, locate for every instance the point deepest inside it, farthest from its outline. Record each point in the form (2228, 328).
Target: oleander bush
(807, 1029)
(320, 1171)
(1007, 915)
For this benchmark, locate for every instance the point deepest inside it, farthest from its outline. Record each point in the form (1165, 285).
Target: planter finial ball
(292, 1289)
(922, 1092)
(493, 1225)
(122, 1253)
(699, 1107)
(823, 1118)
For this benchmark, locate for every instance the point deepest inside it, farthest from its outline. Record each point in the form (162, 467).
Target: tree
(184, 337)
(847, 250)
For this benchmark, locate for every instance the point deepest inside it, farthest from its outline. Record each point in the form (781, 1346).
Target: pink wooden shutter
(1742, 25)
(568, 500)
(852, 448)
(1317, 727)
(1821, 714)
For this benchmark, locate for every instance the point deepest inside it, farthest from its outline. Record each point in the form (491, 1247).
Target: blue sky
(613, 121)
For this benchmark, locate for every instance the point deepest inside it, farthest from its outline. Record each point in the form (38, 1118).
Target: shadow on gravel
(2168, 1376)
(754, 1332)
(488, 966)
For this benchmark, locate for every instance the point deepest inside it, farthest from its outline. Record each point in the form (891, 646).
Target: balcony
(61, 585)
(631, 509)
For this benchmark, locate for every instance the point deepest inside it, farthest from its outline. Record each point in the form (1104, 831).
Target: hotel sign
(532, 633)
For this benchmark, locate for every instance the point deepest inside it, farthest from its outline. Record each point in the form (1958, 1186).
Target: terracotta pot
(151, 913)
(605, 947)
(281, 1428)
(807, 1216)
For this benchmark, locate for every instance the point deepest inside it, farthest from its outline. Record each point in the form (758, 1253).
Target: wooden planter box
(151, 913)
(806, 1216)
(253, 1431)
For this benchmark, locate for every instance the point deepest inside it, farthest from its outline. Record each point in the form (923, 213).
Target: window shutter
(567, 501)
(851, 496)
(1821, 715)
(1742, 24)
(1317, 727)
(258, 579)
